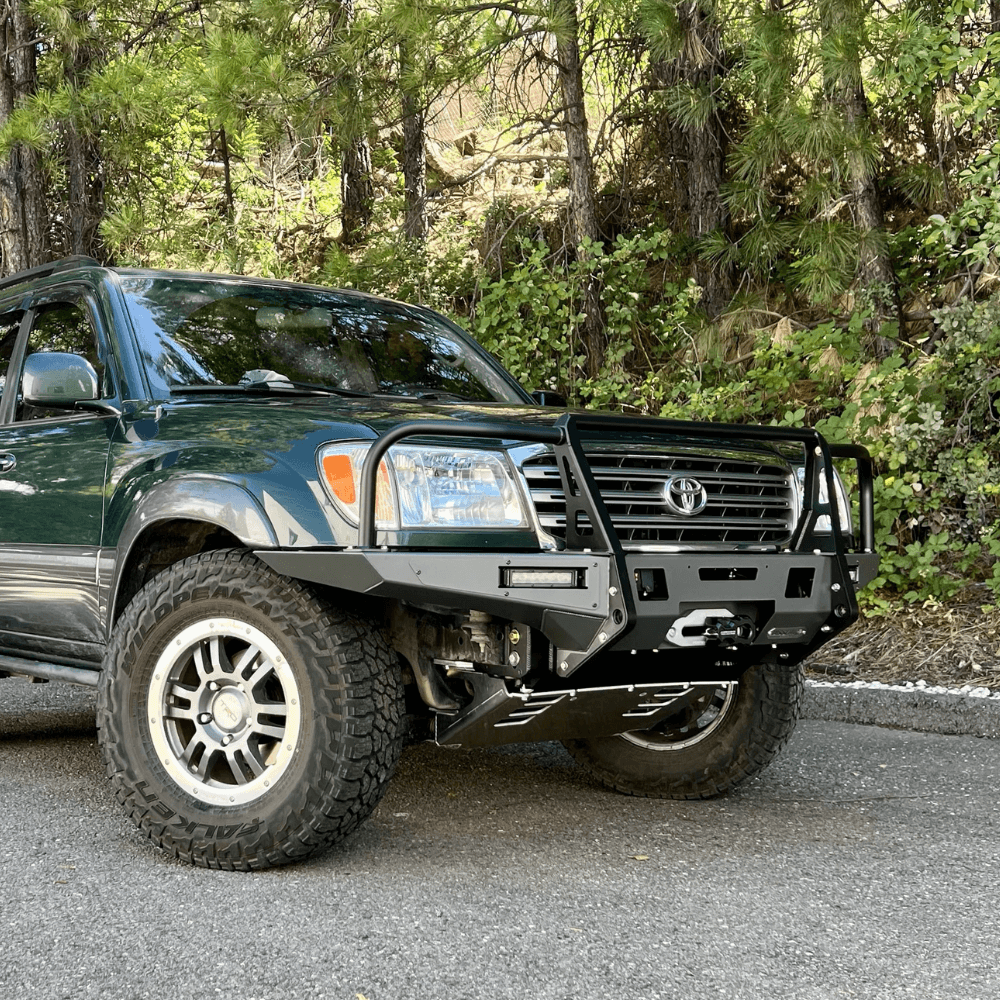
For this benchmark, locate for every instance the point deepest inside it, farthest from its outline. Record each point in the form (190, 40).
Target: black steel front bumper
(756, 602)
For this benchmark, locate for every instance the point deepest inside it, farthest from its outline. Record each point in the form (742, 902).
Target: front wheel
(720, 736)
(244, 721)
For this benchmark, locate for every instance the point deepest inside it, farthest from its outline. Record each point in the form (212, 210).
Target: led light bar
(565, 579)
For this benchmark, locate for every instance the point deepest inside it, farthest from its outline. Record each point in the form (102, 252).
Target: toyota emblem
(684, 496)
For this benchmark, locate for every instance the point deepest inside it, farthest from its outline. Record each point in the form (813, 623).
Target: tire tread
(772, 697)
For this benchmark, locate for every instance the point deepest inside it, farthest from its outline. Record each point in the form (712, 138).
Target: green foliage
(531, 317)
(441, 275)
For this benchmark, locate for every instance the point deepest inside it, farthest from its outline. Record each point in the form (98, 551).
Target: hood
(277, 423)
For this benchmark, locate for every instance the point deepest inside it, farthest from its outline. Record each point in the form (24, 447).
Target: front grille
(750, 501)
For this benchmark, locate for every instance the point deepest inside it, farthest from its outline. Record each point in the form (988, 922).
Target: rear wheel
(244, 721)
(720, 736)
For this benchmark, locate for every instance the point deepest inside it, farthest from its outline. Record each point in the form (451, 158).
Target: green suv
(284, 528)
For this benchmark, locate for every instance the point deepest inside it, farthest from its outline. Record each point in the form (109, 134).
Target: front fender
(208, 499)
(200, 498)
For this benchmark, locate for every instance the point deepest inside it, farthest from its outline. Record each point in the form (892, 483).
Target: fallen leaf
(640, 857)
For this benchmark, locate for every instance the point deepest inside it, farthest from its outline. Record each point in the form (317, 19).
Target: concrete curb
(950, 713)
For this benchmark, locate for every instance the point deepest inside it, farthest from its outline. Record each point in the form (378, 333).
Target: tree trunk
(414, 158)
(582, 208)
(86, 193)
(24, 217)
(582, 212)
(698, 149)
(84, 165)
(875, 271)
(875, 277)
(357, 189)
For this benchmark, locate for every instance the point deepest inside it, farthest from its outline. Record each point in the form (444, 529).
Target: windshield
(205, 331)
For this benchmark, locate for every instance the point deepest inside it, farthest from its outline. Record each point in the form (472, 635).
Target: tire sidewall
(176, 806)
(716, 750)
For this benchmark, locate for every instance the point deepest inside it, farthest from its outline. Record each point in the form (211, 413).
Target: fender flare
(209, 499)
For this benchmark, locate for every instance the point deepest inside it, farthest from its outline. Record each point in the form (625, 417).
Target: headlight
(426, 487)
(823, 525)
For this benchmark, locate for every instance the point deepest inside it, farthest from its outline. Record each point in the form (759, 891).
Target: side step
(498, 716)
(48, 671)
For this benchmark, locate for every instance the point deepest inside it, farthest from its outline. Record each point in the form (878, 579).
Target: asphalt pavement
(863, 863)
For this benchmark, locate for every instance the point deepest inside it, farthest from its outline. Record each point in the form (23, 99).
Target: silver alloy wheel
(703, 714)
(224, 711)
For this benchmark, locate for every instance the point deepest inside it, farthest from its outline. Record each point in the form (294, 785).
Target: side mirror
(52, 379)
(546, 397)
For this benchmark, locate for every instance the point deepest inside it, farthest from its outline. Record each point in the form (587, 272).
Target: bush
(531, 317)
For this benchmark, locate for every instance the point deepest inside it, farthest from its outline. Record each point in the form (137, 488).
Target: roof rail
(53, 267)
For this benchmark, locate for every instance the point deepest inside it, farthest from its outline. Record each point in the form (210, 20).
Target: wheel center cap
(230, 710)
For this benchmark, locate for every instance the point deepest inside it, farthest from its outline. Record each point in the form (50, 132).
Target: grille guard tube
(564, 436)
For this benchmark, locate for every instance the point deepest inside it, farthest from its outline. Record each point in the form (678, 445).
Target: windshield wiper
(286, 387)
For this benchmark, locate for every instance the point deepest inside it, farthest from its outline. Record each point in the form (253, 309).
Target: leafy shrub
(531, 317)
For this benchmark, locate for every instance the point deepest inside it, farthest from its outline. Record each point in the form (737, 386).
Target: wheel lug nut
(213, 686)
(227, 739)
(204, 718)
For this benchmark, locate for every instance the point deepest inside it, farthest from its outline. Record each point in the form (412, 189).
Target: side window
(9, 325)
(63, 327)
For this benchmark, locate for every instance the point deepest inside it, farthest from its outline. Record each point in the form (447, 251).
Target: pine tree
(24, 217)
(805, 168)
(842, 27)
(583, 227)
(357, 191)
(687, 69)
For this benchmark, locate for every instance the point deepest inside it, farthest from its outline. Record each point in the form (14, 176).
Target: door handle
(7, 461)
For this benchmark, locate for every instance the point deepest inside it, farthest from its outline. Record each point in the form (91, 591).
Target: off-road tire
(325, 720)
(756, 723)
